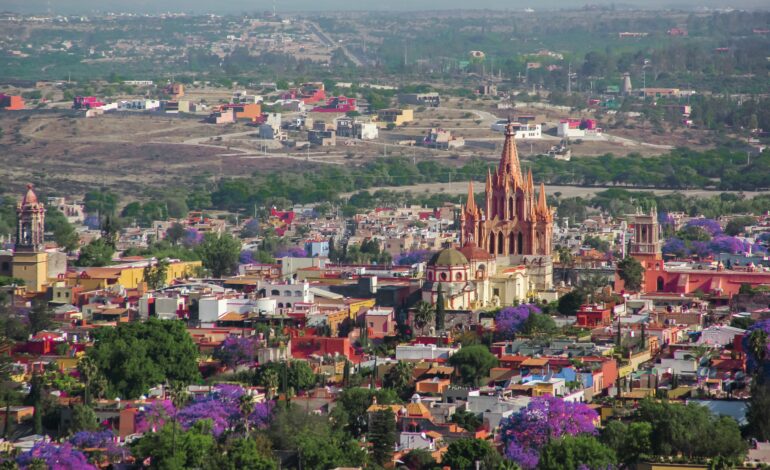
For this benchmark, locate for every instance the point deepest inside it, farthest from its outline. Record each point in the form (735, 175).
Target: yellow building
(127, 276)
(30, 261)
(396, 116)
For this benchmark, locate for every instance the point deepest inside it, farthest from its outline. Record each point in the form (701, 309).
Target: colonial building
(683, 278)
(30, 261)
(505, 254)
(515, 219)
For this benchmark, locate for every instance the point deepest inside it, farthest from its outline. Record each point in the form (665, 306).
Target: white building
(422, 352)
(523, 131)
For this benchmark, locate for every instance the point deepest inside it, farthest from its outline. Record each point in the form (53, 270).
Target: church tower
(515, 218)
(30, 261)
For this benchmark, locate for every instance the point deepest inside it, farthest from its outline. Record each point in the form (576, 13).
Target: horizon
(293, 6)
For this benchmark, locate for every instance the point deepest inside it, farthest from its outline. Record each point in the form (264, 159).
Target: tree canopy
(136, 356)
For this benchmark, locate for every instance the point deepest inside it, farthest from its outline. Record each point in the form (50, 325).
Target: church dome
(30, 197)
(448, 257)
(472, 252)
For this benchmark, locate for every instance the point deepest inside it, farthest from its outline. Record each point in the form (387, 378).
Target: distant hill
(235, 6)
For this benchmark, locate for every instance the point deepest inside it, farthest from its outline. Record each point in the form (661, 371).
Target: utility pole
(569, 78)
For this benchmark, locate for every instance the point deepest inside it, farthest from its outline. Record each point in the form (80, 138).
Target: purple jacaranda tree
(675, 246)
(154, 415)
(246, 257)
(221, 406)
(728, 244)
(293, 252)
(192, 238)
(524, 433)
(102, 440)
(55, 456)
(709, 225)
(237, 350)
(413, 257)
(510, 320)
(752, 361)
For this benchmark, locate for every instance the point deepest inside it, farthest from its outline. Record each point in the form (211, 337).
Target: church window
(510, 208)
(443, 276)
(459, 276)
(520, 244)
(500, 243)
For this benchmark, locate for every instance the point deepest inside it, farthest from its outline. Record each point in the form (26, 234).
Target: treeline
(681, 169)
(618, 202)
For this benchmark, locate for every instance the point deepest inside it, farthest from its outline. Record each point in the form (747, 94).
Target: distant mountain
(235, 6)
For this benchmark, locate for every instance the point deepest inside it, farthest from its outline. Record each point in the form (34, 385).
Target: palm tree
(758, 345)
(423, 314)
(178, 393)
(88, 370)
(246, 406)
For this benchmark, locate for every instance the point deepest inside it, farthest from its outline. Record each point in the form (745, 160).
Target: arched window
(520, 244)
(459, 276)
(297, 293)
(280, 304)
(443, 276)
(275, 292)
(661, 284)
(492, 244)
(288, 304)
(512, 244)
(500, 243)
(287, 293)
(511, 209)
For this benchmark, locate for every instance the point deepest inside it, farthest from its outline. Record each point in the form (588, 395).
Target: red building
(11, 102)
(646, 248)
(337, 104)
(594, 315)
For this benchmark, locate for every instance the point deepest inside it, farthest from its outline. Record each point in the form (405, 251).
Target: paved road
(331, 43)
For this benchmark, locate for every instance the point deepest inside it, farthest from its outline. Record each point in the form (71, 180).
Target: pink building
(380, 322)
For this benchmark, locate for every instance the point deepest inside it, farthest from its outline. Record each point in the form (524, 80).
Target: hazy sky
(235, 6)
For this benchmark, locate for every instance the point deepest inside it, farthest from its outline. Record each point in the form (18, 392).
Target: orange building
(250, 111)
(11, 102)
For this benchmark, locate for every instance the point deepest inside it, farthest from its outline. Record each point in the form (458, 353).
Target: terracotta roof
(534, 361)
(232, 316)
(473, 252)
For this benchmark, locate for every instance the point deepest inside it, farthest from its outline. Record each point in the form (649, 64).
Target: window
(459, 276)
(297, 293)
(287, 293)
(443, 276)
(275, 292)
(430, 275)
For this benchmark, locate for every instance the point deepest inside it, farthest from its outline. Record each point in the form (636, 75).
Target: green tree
(574, 452)
(440, 309)
(631, 443)
(64, 233)
(737, 225)
(155, 275)
(219, 253)
(244, 453)
(382, 435)
(423, 314)
(570, 303)
(350, 413)
(174, 449)
(463, 454)
(97, 253)
(467, 420)
(40, 317)
(175, 233)
(539, 325)
(89, 374)
(399, 378)
(419, 459)
(758, 406)
(83, 419)
(472, 363)
(631, 272)
(136, 356)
